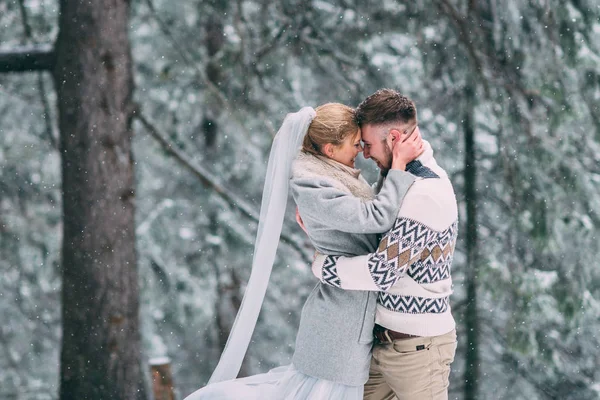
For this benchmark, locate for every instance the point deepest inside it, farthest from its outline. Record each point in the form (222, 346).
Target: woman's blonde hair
(333, 123)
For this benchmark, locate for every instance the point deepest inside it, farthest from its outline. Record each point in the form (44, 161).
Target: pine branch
(210, 181)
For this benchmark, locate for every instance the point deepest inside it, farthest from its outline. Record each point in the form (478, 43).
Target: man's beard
(386, 163)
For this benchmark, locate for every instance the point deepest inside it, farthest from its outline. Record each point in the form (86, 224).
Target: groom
(414, 328)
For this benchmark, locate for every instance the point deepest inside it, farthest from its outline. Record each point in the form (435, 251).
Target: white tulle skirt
(282, 383)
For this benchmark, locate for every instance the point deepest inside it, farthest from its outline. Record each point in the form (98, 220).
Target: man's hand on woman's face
(406, 148)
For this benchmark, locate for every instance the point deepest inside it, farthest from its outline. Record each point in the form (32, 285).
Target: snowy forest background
(507, 94)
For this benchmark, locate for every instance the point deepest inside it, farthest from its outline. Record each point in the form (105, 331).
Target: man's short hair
(385, 106)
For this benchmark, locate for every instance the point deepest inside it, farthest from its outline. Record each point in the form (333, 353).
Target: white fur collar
(310, 166)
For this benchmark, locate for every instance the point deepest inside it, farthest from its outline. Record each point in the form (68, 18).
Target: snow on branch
(188, 57)
(209, 180)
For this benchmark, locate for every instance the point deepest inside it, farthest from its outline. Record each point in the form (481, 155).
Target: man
(414, 328)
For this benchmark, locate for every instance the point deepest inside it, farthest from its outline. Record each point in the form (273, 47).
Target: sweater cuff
(325, 268)
(317, 265)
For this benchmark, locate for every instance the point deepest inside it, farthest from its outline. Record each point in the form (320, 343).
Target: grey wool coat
(343, 217)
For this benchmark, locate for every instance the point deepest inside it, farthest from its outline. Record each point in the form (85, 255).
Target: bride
(314, 154)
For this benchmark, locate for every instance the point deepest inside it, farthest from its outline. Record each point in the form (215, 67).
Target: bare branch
(26, 26)
(208, 180)
(183, 53)
(200, 73)
(329, 46)
(337, 74)
(50, 132)
(271, 43)
(27, 59)
(6, 347)
(460, 24)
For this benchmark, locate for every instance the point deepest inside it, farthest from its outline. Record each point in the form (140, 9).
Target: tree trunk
(471, 376)
(100, 355)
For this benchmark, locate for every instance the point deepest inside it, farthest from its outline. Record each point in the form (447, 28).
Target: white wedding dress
(282, 383)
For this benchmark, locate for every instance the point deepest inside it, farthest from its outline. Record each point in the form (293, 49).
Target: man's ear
(395, 135)
(328, 149)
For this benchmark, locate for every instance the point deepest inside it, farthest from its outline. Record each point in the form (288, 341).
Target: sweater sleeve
(344, 212)
(401, 247)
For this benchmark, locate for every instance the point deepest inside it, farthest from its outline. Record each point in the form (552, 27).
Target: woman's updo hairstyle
(333, 123)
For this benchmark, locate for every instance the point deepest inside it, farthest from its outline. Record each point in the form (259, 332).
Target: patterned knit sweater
(411, 268)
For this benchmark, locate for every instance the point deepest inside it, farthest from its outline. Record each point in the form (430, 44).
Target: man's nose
(366, 153)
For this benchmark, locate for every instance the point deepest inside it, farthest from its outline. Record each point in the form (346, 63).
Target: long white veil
(284, 150)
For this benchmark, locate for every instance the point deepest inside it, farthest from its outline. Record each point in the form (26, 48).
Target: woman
(342, 216)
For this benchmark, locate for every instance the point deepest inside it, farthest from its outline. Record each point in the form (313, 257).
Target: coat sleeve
(399, 248)
(339, 210)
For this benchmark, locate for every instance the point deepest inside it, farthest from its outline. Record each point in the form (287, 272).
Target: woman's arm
(319, 200)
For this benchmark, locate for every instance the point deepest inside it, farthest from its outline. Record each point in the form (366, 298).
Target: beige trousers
(411, 369)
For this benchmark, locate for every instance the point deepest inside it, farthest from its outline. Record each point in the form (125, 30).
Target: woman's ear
(328, 149)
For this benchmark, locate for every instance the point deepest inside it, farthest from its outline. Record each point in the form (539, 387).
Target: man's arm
(376, 271)
(400, 248)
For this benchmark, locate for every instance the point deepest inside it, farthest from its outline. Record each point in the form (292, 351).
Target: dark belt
(387, 335)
